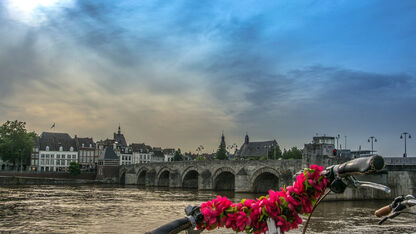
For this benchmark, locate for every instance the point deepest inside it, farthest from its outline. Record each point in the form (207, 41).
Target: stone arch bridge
(238, 176)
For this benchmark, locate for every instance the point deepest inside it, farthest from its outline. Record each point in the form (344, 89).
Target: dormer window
(47, 148)
(82, 145)
(90, 146)
(61, 148)
(71, 149)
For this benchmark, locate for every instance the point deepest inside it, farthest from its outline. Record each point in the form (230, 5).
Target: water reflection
(115, 209)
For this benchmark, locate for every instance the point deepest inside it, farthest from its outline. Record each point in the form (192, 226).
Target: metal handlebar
(342, 175)
(397, 207)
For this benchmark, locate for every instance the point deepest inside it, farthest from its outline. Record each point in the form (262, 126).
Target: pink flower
(281, 206)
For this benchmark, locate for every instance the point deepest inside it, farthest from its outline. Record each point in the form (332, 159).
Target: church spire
(222, 139)
(119, 130)
(246, 140)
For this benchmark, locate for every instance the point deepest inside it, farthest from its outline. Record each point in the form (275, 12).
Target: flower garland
(282, 206)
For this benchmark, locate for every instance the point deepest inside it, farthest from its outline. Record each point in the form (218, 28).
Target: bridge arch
(141, 175)
(264, 179)
(190, 178)
(224, 179)
(163, 177)
(122, 175)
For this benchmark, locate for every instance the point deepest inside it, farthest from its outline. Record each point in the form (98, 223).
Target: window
(52, 161)
(42, 156)
(47, 161)
(58, 162)
(74, 156)
(58, 156)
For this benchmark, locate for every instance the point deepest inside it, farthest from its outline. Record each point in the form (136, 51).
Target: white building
(126, 156)
(56, 152)
(169, 154)
(141, 153)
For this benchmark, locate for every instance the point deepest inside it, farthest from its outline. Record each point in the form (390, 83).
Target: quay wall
(28, 178)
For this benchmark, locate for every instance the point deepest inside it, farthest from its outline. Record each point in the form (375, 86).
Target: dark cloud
(249, 65)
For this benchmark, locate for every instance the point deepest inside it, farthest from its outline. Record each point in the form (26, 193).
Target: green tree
(221, 153)
(200, 158)
(293, 153)
(16, 143)
(74, 168)
(178, 155)
(275, 152)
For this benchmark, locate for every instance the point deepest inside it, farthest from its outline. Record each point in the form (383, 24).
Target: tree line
(16, 143)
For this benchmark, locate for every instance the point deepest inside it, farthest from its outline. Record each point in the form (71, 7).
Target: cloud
(179, 73)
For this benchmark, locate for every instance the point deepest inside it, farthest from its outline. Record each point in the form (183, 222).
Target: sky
(179, 73)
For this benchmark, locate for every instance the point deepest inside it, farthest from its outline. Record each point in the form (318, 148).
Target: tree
(275, 152)
(74, 168)
(221, 153)
(293, 153)
(16, 143)
(178, 155)
(200, 158)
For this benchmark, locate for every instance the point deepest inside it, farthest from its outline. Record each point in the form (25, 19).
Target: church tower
(222, 140)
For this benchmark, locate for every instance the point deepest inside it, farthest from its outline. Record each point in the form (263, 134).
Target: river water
(124, 209)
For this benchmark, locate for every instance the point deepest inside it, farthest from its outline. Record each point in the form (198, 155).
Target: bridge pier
(205, 180)
(175, 179)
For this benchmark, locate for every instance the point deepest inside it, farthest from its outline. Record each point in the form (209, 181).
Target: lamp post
(372, 139)
(404, 135)
(20, 157)
(345, 146)
(338, 136)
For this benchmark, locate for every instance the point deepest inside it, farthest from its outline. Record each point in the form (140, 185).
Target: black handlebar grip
(173, 227)
(361, 166)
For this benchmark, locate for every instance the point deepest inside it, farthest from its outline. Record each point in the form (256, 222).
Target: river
(124, 209)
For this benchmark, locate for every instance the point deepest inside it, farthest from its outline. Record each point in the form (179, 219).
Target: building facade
(169, 154)
(56, 152)
(126, 156)
(256, 150)
(87, 157)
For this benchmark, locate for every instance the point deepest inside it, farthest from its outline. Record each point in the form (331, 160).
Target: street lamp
(20, 157)
(338, 136)
(404, 135)
(372, 139)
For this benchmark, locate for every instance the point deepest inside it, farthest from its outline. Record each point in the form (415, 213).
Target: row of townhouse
(141, 153)
(53, 152)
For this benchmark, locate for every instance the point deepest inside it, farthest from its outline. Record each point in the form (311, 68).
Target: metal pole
(405, 142)
(372, 151)
(345, 142)
(405, 149)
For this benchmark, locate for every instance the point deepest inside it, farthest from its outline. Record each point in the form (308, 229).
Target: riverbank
(16, 178)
